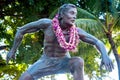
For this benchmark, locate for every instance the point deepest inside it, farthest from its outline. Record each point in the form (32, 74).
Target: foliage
(109, 18)
(12, 71)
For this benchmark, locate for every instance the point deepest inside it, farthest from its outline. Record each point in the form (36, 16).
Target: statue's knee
(78, 62)
(81, 61)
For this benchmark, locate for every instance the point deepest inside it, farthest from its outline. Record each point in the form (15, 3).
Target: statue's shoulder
(44, 23)
(45, 20)
(80, 29)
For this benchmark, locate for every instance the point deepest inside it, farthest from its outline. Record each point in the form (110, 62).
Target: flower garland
(73, 40)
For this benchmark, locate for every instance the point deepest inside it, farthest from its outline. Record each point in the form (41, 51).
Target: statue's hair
(64, 8)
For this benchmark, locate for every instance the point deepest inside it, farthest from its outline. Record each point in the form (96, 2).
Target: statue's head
(64, 8)
(67, 13)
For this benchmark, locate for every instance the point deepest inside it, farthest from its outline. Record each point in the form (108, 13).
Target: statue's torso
(51, 45)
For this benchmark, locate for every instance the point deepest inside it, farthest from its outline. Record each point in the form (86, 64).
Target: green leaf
(91, 26)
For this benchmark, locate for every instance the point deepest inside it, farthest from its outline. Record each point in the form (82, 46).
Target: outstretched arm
(84, 36)
(28, 28)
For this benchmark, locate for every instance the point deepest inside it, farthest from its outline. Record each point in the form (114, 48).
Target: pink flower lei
(74, 38)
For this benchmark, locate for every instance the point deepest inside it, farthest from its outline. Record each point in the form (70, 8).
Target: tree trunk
(109, 36)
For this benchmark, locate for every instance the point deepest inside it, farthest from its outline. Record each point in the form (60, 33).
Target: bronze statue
(60, 36)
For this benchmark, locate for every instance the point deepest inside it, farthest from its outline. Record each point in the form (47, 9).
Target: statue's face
(69, 16)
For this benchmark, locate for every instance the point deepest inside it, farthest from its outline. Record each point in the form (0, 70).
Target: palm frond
(96, 7)
(84, 14)
(53, 13)
(116, 25)
(91, 26)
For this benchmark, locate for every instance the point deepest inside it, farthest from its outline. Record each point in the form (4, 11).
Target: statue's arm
(27, 28)
(88, 38)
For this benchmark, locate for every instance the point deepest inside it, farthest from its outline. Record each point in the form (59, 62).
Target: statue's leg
(26, 76)
(77, 68)
(46, 66)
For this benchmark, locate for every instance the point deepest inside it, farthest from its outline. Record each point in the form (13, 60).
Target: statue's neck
(64, 26)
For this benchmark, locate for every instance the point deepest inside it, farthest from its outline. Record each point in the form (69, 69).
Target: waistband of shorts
(66, 55)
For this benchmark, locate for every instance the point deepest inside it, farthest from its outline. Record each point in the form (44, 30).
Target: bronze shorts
(48, 66)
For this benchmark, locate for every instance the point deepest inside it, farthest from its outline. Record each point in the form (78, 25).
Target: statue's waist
(58, 55)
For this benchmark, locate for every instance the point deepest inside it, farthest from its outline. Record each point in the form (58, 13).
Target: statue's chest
(51, 37)
(66, 35)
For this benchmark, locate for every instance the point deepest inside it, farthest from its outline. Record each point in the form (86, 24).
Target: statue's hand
(10, 55)
(106, 61)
